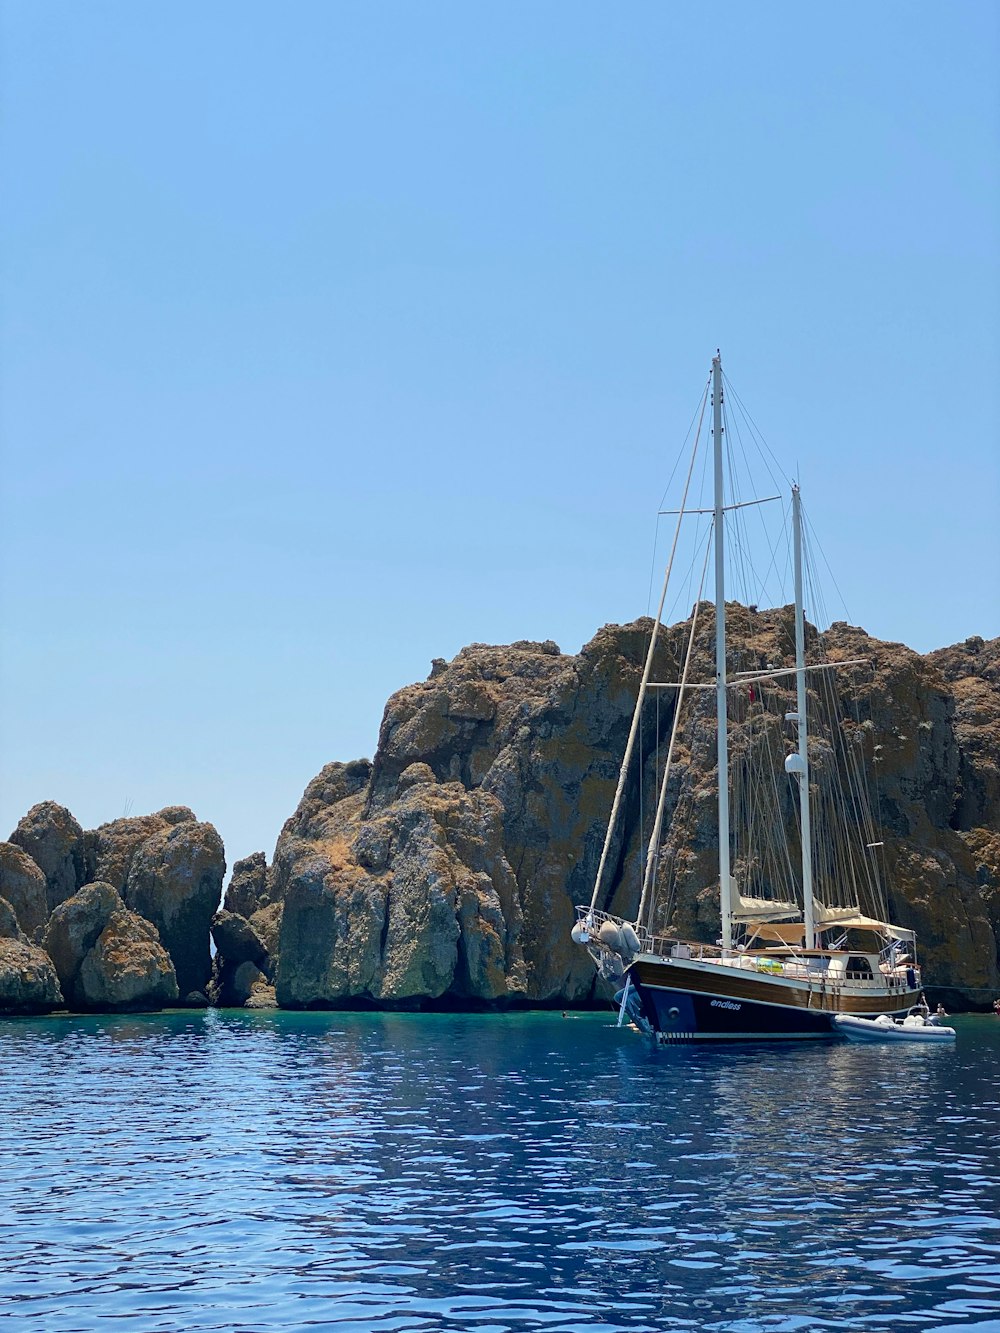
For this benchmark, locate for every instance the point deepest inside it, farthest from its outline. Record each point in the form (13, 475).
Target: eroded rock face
(175, 881)
(107, 957)
(111, 848)
(444, 919)
(248, 887)
(448, 869)
(127, 969)
(24, 887)
(28, 982)
(900, 718)
(451, 872)
(972, 672)
(54, 841)
(73, 930)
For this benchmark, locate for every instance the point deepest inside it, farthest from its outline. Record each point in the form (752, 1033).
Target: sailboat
(788, 960)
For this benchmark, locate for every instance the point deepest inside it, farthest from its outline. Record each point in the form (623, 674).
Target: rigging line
(760, 515)
(774, 561)
(868, 781)
(756, 429)
(761, 591)
(782, 700)
(812, 536)
(637, 714)
(698, 412)
(654, 838)
(686, 579)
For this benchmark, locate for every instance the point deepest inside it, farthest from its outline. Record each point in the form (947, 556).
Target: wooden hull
(694, 1000)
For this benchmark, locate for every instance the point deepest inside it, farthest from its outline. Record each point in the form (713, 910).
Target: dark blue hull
(706, 1000)
(674, 1015)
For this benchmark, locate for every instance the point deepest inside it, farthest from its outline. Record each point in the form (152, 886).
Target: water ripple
(375, 1173)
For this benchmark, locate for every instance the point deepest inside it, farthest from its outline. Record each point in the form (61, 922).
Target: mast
(725, 882)
(802, 769)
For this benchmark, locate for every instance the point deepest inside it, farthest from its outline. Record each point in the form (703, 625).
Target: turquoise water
(356, 1172)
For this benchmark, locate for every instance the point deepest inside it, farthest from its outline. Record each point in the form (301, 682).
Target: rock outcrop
(155, 883)
(446, 871)
(248, 889)
(28, 982)
(168, 867)
(107, 957)
(24, 887)
(175, 881)
(246, 934)
(53, 839)
(110, 849)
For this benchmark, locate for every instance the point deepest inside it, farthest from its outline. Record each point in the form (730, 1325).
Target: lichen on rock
(53, 839)
(175, 881)
(28, 982)
(107, 957)
(446, 871)
(24, 886)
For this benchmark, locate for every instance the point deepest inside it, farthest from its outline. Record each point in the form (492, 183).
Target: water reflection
(269, 1171)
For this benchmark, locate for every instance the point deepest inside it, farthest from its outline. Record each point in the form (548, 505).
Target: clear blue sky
(339, 335)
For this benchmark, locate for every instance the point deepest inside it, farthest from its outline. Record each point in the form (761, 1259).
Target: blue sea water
(355, 1172)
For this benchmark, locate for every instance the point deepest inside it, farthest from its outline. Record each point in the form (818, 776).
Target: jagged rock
(54, 841)
(106, 956)
(445, 920)
(28, 982)
(9, 928)
(236, 940)
(266, 925)
(245, 978)
(23, 885)
(972, 672)
(448, 869)
(127, 969)
(262, 996)
(177, 814)
(73, 930)
(110, 849)
(248, 888)
(175, 881)
(240, 945)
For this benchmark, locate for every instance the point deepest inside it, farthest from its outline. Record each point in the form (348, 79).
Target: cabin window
(859, 967)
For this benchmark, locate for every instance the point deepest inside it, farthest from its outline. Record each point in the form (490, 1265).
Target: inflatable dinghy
(914, 1027)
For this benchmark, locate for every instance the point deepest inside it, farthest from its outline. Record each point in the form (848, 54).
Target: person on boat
(996, 1008)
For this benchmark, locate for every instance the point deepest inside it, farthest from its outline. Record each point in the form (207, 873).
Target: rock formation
(167, 867)
(53, 839)
(175, 881)
(28, 982)
(107, 957)
(248, 889)
(447, 870)
(24, 886)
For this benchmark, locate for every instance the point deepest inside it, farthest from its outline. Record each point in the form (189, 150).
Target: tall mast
(800, 705)
(725, 882)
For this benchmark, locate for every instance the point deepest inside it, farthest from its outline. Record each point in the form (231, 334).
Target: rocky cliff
(445, 872)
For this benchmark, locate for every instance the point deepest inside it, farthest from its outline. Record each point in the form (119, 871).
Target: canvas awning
(850, 918)
(788, 932)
